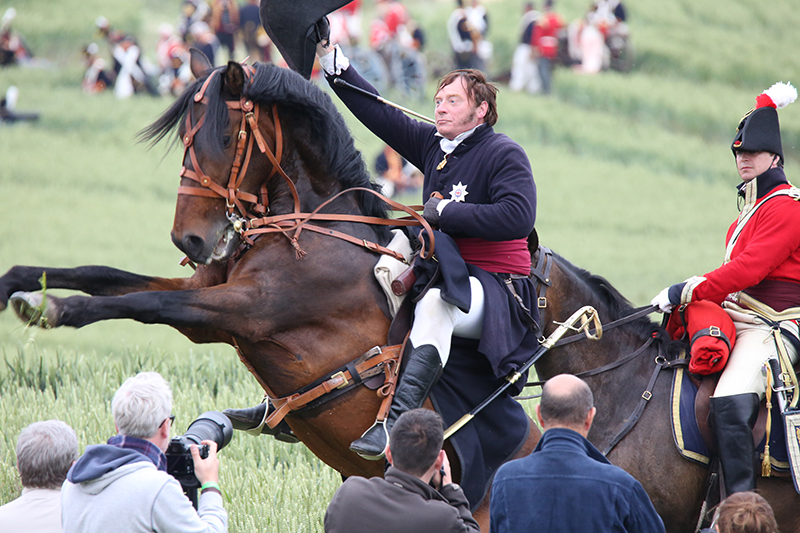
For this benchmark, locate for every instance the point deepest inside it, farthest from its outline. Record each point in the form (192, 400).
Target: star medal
(459, 192)
(441, 165)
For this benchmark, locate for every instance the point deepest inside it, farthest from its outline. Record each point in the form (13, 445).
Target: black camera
(211, 425)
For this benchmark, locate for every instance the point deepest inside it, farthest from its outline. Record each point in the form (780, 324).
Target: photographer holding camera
(417, 493)
(123, 486)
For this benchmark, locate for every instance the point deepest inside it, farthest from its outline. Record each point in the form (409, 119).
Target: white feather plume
(782, 94)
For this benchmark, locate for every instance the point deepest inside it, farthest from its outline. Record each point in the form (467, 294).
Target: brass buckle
(714, 331)
(647, 395)
(542, 302)
(340, 374)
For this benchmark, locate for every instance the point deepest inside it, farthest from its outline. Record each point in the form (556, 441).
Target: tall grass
(267, 485)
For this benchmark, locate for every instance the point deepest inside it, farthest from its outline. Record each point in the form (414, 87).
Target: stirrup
(367, 445)
(258, 426)
(257, 429)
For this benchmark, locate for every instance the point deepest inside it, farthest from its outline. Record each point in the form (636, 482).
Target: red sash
(502, 257)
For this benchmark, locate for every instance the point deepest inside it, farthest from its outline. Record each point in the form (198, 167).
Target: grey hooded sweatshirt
(116, 489)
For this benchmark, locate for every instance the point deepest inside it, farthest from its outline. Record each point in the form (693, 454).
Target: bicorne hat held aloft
(291, 24)
(759, 130)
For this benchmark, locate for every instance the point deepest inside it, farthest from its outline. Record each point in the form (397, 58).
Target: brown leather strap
(542, 273)
(390, 382)
(201, 93)
(286, 404)
(369, 245)
(234, 198)
(283, 223)
(302, 218)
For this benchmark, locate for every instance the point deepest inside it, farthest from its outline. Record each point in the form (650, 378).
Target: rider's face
(455, 112)
(752, 164)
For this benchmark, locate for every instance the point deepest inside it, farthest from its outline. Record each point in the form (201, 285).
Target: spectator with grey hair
(123, 486)
(45, 452)
(567, 484)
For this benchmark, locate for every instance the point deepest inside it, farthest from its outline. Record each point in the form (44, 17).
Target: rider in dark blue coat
(485, 211)
(487, 205)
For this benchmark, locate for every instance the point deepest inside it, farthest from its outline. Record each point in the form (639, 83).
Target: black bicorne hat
(291, 24)
(760, 130)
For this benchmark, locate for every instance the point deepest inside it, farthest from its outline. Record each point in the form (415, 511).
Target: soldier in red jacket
(758, 284)
(545, 42)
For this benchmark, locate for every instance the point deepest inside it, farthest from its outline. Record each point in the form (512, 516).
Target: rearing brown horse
(293, 320)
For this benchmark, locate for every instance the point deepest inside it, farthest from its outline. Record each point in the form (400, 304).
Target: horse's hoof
(32, 308)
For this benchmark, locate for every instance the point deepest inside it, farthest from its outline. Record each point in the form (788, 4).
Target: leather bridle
(250, 224)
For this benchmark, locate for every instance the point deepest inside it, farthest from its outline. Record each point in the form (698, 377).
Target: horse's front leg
(221, 310)
(100, 280)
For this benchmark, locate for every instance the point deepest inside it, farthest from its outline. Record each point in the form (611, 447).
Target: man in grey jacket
(417, 494)
(123, 486)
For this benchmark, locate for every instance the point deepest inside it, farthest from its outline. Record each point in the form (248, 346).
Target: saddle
(694, 436)
(708, 334)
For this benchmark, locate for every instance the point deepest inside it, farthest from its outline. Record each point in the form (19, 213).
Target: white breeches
(524, 72)
(754, 345)
(436, 321)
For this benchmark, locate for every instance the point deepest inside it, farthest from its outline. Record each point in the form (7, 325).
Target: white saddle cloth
(388, 268)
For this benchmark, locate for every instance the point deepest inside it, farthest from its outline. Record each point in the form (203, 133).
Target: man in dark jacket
(486, 204)
(566, 484)
(405, 500)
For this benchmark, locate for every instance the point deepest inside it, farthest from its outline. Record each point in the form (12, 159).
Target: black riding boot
(733, 418)
(413, 386)
(246, 419)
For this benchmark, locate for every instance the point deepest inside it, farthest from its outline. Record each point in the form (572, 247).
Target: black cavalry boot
(250, 418)
(733, 418)
(413, 386)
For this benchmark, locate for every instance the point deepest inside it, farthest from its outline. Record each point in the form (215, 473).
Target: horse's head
(258, 141)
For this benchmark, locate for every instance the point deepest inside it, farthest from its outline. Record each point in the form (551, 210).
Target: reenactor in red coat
(758, 285)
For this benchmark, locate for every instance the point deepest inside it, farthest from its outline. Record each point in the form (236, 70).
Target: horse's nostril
(193, 245)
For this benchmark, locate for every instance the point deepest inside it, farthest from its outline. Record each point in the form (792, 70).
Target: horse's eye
(226, 141)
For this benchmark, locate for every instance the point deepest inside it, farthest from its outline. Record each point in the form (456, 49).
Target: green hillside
(634, 173)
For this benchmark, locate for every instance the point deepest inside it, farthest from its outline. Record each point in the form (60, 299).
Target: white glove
(662, 301)
(332, 59)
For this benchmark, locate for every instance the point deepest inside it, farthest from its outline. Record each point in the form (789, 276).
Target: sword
(341, 83)
(588, 316)
(778, 385)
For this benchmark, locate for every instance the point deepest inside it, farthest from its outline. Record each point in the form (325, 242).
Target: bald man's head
(566, 402)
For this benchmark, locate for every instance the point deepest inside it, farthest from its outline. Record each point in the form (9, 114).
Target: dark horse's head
(228, 175)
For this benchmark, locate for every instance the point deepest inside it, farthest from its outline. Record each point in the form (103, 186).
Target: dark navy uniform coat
(500, 205)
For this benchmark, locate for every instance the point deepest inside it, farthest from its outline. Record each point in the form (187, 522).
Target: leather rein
(250, 224)
(541, 272)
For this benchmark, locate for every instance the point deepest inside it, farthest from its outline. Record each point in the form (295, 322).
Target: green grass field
(634, 172)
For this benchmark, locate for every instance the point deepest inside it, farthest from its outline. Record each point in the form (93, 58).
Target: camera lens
(211, 425)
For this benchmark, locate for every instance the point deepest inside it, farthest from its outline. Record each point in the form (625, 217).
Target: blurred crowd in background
(391, 53)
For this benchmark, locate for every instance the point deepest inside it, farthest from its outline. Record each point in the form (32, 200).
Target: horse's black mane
(611, 299)
(288, 90)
